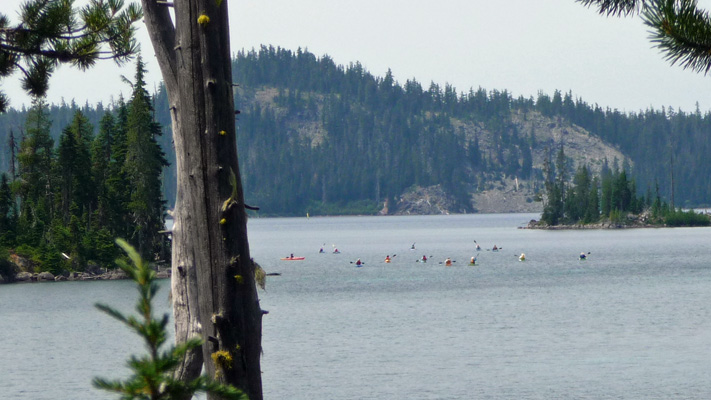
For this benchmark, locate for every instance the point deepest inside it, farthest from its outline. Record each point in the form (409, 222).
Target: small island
(607, 201)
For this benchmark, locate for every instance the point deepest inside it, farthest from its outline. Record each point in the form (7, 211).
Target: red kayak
(293, 258)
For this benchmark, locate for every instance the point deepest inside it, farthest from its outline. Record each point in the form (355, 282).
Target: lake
(633, 321)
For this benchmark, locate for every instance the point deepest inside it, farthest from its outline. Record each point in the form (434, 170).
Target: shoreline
(534, 224)
(113, 275)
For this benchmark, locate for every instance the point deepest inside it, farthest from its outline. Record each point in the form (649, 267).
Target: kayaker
(424, 258)
(472, 261)
(291, 255)
(335, 251)
(358, 263)
(448, 262)
(387, 258)
(583, 256)
(495, 248)
(321, 250)
(522, 257)
(412, 247)
(478, 248)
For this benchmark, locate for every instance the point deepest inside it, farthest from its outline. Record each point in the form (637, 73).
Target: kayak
(293, 258)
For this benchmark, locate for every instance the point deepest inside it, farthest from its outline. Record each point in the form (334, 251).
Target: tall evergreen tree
(35, 170)
(553, 208)
(143, 166)
(119, 186)
(7, 213)
(101, 158)
(78, 192)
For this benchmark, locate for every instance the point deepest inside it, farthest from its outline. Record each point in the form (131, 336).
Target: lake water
(631, 322)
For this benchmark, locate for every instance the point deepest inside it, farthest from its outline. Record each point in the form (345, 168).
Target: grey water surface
(631, 322)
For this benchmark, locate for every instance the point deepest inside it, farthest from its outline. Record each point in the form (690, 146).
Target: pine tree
(101, 158)
(74, 173)
(143, 166)
(7, 214)
(553, 207)
(592, 213)
(35, 170)
(119, 186)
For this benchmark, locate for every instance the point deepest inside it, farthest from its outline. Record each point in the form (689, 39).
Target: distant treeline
(382, 136)
(314, 136)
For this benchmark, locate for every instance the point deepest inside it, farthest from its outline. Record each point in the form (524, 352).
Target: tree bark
(214, 291)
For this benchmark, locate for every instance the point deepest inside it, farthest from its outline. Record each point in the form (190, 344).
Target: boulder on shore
(23, 276)
(45, 276)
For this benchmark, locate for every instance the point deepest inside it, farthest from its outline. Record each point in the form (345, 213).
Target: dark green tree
(36, 179)
(101, 159)
(8, 218)
(592, 213)
(553, 207)
(143, 166)
(74, 173)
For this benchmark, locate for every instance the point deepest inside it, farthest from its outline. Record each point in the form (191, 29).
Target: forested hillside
(318, 137)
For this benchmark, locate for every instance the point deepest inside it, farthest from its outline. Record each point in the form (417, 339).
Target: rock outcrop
(431, 200)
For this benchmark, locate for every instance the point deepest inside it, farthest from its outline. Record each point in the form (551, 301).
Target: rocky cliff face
(580, 145)
(431, 200)
(510, 196)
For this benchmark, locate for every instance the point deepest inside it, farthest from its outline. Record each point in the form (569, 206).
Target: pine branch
(617, 7)
(682, 31)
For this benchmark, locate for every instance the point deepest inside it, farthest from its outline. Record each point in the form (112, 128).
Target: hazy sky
(523, 46)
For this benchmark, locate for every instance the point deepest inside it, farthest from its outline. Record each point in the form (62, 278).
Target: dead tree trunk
(214, 292)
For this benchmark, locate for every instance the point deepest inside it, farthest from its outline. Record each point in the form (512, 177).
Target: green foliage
(686, 218)
(53, 32)
(152, 374)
